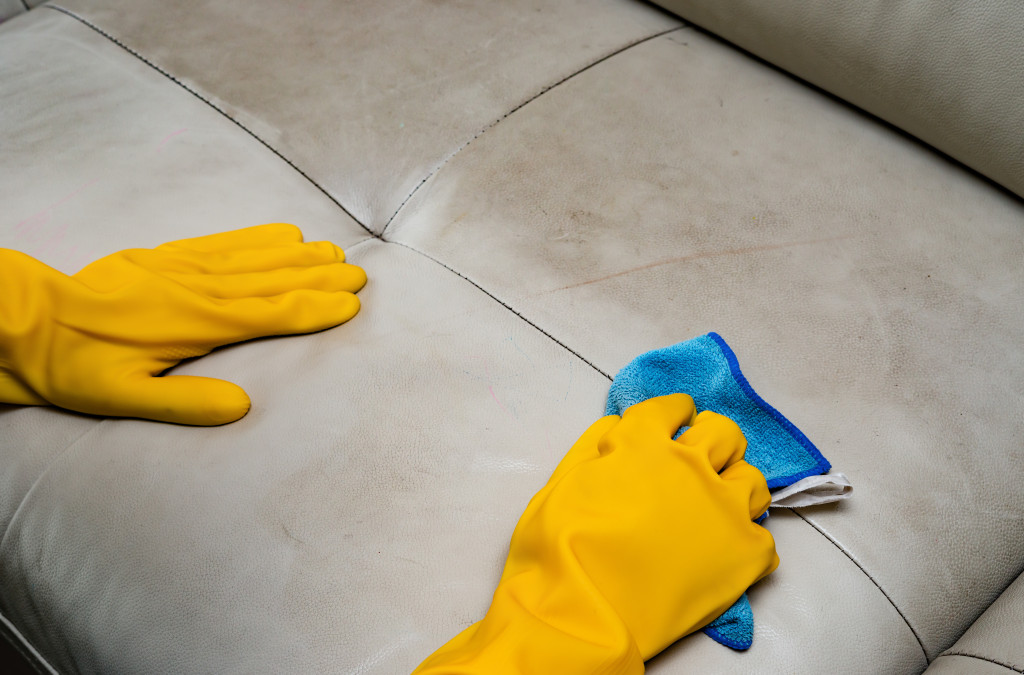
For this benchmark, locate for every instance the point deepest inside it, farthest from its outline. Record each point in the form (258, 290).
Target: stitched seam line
(985, 658)
(856, 562)
(518, 107)
(350, 247)
(199, 96)
(505, 305)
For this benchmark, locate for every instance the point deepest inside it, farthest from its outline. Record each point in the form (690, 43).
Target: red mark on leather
(37, 220)
(160, 148)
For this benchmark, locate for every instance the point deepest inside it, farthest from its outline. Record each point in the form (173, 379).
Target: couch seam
(24, 3)
(519, 106)
(24, 647)
(504, 304)
(983, 658)
(212, 105)
(350, 247)
(846, 552)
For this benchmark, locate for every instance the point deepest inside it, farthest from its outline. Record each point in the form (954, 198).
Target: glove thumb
(179, 399)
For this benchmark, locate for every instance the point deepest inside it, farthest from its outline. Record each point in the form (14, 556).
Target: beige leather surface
(9, 8)
(368, 98)
(359, 515)
(996, 636)
(967, 665)
(101, 153)
(947, 73)
(872, 291)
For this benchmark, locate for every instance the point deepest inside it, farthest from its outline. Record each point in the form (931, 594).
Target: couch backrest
(951, 74)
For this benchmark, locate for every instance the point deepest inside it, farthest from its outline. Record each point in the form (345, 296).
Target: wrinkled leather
(10, 8)
(993, 642)
(872, 288)
(966, 665)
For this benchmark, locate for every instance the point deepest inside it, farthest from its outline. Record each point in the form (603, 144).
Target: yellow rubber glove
(635, 541)
(96, 342)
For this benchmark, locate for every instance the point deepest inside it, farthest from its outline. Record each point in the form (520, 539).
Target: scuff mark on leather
(698, 256)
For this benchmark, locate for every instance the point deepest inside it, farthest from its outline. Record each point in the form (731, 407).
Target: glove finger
(329, 277)
(718, 437)
(181, 399)
(653, 418)
(751, 483)
(291, 313)
(239, 261)
(258, 236)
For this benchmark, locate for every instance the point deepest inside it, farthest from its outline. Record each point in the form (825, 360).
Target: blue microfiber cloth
(706, 369)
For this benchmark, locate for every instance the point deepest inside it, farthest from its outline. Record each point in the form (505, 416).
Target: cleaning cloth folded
(706, 369)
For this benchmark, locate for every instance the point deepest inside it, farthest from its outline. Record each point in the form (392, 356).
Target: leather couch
(539, 191)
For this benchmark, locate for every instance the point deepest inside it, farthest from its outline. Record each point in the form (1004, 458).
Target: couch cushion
(993, 643)
(949, 75)
(9, 8)
(101, 152)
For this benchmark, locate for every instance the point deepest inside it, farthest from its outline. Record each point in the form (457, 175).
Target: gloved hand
(95, 342)
(635, 541)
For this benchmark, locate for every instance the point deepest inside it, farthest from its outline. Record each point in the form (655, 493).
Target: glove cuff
(517, 637)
